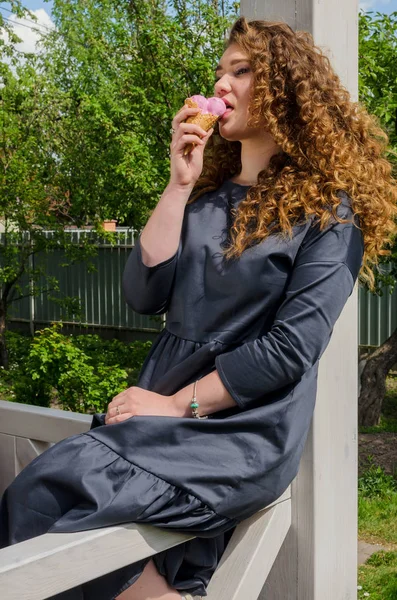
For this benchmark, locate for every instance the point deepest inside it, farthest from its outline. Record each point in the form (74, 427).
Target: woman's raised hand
(185, 170)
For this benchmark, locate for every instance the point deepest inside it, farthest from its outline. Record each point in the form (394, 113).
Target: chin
(232, 136)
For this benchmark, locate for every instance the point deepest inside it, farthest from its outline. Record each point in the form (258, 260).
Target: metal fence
(103, 305)
(99, 290)
(377, 316)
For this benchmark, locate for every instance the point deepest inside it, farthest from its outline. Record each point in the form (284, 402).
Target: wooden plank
(51, 563)
(33, 569)
(40, 423)
(54, 562)
(26, 450)
(250, 555)
(7, 461)
(285, 496)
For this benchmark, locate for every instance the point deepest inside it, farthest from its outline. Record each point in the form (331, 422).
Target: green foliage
(18, 347)
(378, 70)
(32, 199)
(21, 387)
(85, 124)
(382, 558)
(114, 352)
(377, 505)
(378, 577)
(81, 385)
(127, 68)
(378, 91)
(32, 391)
(86, 372)
(375, 482)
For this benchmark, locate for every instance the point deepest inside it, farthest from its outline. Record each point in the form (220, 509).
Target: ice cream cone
(205, 120)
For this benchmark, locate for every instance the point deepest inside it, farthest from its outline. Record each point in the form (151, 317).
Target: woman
(253, 249)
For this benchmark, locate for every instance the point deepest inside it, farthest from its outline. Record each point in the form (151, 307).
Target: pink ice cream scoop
(214, 106)
(201, 101)
(211, 110)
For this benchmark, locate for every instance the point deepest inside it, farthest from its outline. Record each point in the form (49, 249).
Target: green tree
(85, 124)
(378, 91)
(128, 67)
(32, 200)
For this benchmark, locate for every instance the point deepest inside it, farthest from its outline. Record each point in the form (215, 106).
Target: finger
(118, 418)
(187, 139)
(183, 114)
(204, 140)
(117, 400)
(192, 128)
(114, 411)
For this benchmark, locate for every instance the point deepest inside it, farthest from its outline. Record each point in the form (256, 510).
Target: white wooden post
(318, 560)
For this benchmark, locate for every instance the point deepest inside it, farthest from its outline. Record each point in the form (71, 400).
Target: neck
(255, 156)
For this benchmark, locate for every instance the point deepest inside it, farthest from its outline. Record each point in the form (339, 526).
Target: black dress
(262, 321)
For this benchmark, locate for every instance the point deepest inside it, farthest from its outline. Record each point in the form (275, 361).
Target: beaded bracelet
(194, 404)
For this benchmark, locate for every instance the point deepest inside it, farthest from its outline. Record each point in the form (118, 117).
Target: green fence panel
(377, 316)
(103, 304)
(99, 290)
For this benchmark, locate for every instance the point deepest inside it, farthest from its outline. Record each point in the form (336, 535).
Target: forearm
(212, 396)
(161, 234)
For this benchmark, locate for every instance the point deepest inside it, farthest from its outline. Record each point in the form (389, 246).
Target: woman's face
(233, 84)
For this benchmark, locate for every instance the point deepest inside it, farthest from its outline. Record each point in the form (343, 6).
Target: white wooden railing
(49, 564)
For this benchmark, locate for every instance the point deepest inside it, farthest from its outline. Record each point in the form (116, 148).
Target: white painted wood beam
(40, 423)
(318, 560)
(54, 562)
(250, 555)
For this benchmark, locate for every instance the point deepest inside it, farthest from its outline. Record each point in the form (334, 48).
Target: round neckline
(238, 184)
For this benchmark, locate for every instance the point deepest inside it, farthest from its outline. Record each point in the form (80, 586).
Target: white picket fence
(52, 563)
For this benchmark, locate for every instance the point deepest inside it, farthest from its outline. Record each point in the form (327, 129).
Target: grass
(377, 505)
(377, 513)
(377, 523)
(377, 579)
(377, 519)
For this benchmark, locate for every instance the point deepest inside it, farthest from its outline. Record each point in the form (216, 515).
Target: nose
(221, 87)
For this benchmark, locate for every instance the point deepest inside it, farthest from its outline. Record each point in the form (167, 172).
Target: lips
(227, 113)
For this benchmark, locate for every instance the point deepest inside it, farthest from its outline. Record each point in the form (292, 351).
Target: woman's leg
(150, 586)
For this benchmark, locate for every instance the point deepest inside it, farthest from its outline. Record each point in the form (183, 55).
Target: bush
(18, 346)
(382, 558)
(85, 371)
(29, 391)
(114, 352)
(375, 482)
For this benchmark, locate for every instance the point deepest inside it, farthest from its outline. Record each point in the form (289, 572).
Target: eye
(242, 71)
(238, 72)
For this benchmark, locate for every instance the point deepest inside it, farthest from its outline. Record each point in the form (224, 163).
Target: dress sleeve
(325, 270)
(148, 289)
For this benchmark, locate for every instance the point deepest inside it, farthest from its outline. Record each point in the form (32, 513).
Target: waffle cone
(206, 121)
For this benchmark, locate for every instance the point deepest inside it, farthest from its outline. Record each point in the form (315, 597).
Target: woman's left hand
(136, 401)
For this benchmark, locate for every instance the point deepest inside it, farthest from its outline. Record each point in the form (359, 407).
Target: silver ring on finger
(172, 130)
(118, 411)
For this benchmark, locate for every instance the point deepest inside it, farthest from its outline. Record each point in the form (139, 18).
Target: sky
(42, 10)
(383, 6)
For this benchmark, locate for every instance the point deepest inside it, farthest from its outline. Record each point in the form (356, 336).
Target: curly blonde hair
(328, 144)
